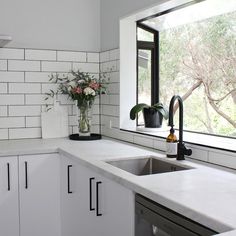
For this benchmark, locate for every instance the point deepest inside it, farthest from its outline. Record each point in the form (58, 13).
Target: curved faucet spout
(171, 115)
(182, 150)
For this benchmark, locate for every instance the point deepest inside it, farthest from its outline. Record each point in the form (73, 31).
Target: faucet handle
(187, 151)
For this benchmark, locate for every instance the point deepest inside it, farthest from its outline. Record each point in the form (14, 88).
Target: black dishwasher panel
(153, 219)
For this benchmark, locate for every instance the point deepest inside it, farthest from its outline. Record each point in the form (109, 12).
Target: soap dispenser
(171, 144)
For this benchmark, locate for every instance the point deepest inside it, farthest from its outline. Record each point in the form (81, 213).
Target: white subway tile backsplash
(144, 141)
(3, 65)
(17, 65)
(114, 88)
(37, 77)
(37, 99)
(33, 121)
(65, 100)
(160, 144)
(3, 111)
(199, 154)
(24, 80)
(95, 129)
(71, 56)
(48, 55)
(3, 133)
(3, 88)
(222, 159)
(114, 77)
(114, 54)
(109, 66)
(104, 56)
(11, 53)
(25, 133)
(105, 99)
(96, 109)
(12, 122)
(95, 119)
(56, 66)
(93, 57)
(7, 99)
(86, 67)
(110, 110)
(47, 87)
(24, 88)
(73, 120)
(118, 65)
(6, 76)
(24, 110)
(115, 100)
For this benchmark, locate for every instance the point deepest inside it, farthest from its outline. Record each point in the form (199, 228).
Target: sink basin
(147, 166)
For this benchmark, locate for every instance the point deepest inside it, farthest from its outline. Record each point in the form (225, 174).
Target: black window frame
(154, 47)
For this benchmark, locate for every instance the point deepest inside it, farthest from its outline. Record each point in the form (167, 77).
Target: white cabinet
(39, 188)
(9, 210)
(92, 204)
(114, 208)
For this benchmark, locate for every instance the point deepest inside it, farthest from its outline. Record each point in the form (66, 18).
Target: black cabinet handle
(97, 198)
(26, 175)
(68, 179)
(91, 208)
(8, 177)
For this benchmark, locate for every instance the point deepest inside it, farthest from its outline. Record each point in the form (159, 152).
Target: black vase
(152, 118)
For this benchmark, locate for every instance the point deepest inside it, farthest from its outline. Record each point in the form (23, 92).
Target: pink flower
(77, 90)
(94, 85)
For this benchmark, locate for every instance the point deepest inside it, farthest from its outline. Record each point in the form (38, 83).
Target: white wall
(24, 82)
(111, 12)
(52, 24)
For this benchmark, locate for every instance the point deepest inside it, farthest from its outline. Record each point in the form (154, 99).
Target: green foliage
(202, 52)
(159, 107)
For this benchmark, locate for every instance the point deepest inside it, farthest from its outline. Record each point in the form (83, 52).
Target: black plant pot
(152, 118)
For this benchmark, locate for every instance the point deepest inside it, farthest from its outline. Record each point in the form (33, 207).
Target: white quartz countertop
(204, 194)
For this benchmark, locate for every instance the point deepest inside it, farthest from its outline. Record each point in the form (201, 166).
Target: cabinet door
(92, 204)
(76, 220)
(115, 209)
(39, 187)
(9, 208)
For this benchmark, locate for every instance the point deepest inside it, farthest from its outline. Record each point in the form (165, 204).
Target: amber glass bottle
(171, 144)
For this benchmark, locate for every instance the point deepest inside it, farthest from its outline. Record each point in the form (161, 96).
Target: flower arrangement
(79, 86)
(83, 88)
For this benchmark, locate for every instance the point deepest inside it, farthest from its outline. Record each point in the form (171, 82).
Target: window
(147, 73)
(197, 58)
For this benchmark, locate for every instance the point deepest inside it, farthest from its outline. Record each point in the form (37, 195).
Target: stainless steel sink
(147, 166)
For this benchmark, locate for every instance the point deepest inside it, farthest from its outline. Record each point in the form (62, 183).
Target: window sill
(209, 141)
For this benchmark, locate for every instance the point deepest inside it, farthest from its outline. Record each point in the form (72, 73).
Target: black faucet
(181, 150)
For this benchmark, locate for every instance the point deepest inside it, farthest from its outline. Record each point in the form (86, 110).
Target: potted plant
(153, 115)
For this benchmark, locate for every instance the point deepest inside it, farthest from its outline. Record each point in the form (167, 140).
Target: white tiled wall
(24, 80)
(110, 119)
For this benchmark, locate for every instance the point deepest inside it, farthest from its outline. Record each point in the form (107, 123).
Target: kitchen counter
(204, 194)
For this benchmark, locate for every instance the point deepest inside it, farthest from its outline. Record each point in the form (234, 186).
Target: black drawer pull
(91, 208)
(97, 199)
(8, 178)
(26, 175)
(68, 179)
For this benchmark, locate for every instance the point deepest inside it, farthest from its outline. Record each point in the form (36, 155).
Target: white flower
(72, 84)
(81, 81)
(89, 91)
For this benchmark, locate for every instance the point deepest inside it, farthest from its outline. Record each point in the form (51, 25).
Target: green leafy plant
(159, 107)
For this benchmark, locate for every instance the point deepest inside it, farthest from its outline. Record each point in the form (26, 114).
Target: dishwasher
(153, 219)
